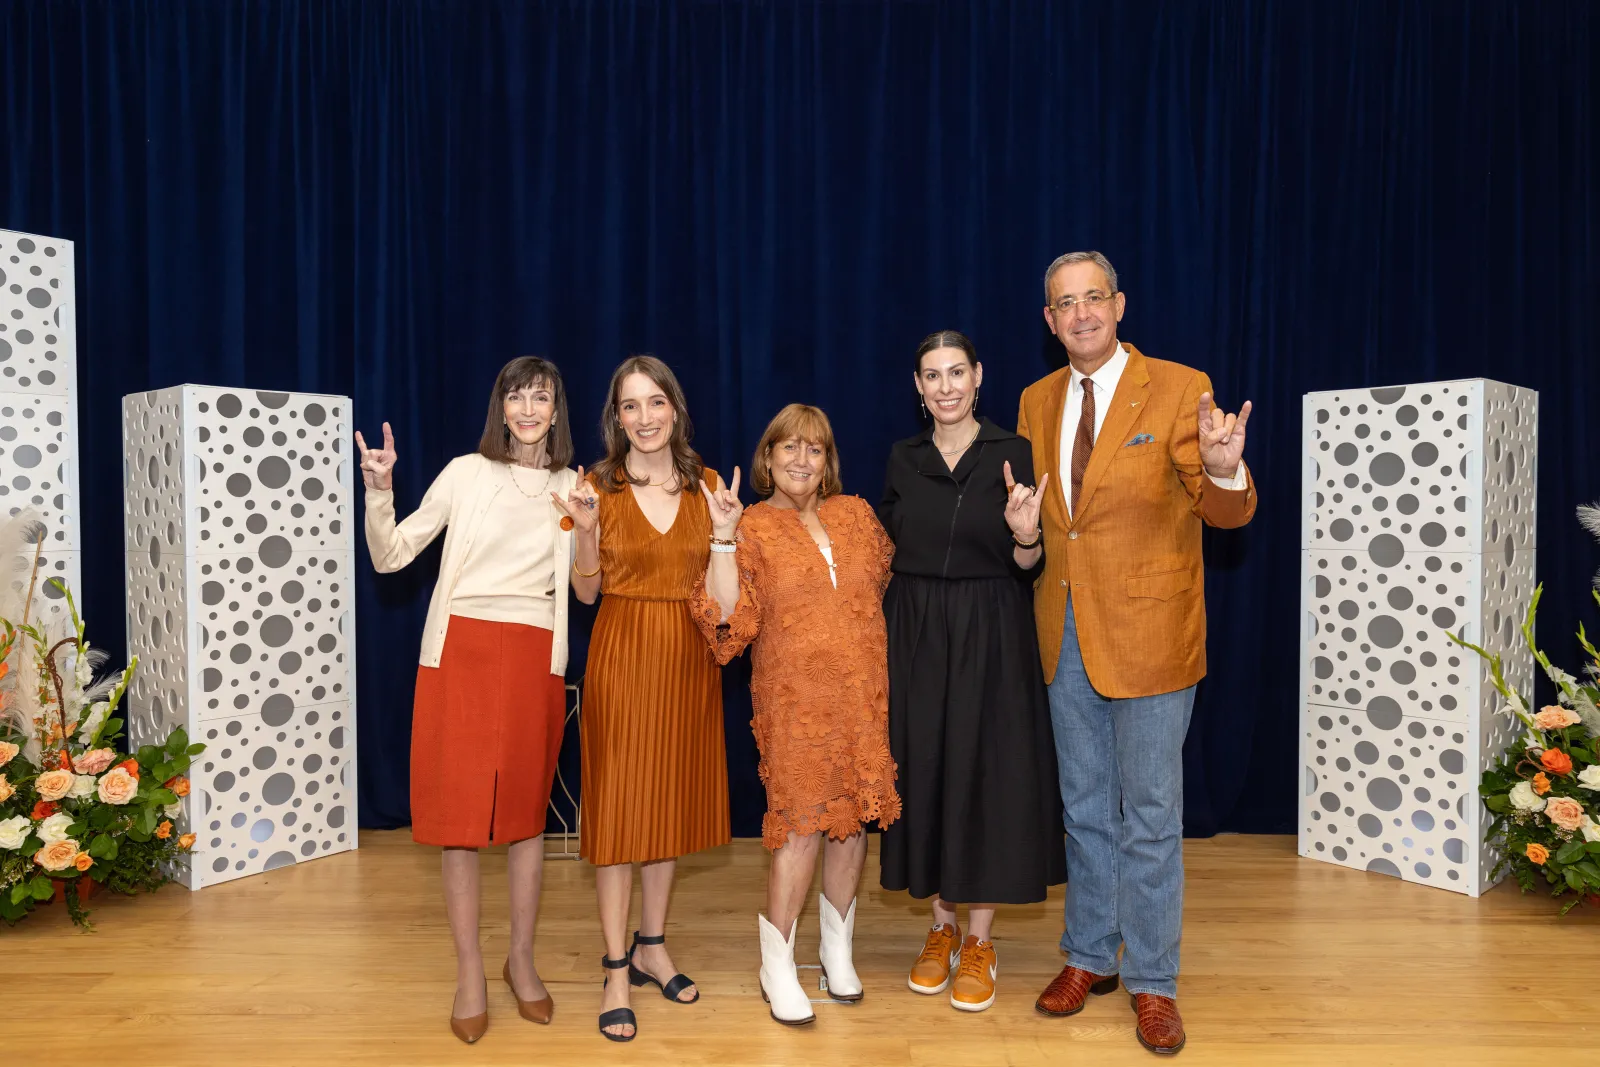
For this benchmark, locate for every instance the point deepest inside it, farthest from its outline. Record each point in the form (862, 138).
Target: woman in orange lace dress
(803, 584)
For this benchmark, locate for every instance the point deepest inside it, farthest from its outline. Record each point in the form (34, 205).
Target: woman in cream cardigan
(486, 729)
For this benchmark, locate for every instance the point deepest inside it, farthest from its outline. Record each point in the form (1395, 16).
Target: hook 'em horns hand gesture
(1221, 438)
(580, 504)
(377, 464)
(1022, 506)
(725, 508)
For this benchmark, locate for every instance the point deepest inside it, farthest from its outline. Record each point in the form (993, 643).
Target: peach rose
(186, 841)
(164, 831)
(8, 752)
(94, 761)
(1556, 761)
(83, 861)
(117, 786)
(57, 855)
(1565, 813)
(1541, 783)
(1537, 852)
(53, 785)
(6, 789)
(1555, 717)
(179, 785)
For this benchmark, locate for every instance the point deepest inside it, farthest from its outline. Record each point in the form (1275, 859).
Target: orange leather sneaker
(973, 987)
(940, 953)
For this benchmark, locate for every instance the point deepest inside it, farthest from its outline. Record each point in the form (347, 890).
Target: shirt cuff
(1238, 481)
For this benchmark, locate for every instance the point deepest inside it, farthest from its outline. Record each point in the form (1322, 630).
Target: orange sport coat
(1131, 556)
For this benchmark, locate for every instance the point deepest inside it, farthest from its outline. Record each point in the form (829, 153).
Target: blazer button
(1072, 536)
(1063, 583)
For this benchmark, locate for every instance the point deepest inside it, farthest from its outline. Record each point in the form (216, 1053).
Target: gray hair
(1080, 257)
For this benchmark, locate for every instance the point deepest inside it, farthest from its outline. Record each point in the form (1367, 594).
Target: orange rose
(117, 786)
(53, 785)
(1537, 853)
(179, 785)
(131, 766)
(57, 855)
(186, 841)
(1541, 783)
(43, 810)
(8, 751)
(164, 831)
(1556, 761)
(7, 790)
(83, 861)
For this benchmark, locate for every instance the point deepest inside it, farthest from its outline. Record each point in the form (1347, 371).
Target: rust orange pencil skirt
(485, 733)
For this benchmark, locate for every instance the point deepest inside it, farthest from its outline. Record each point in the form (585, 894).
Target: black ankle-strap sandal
(675, 985)
(617, 1016)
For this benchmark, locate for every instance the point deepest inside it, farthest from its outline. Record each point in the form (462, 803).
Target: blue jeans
(1121, 769)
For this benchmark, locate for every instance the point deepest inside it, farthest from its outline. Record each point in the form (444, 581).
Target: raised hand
(1022, 506)
(580, 505)
(377, 464)
(1221, 438)
(725, 508)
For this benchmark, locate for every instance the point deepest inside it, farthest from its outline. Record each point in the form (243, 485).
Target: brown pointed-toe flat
(469, 1030)
(535, 1011)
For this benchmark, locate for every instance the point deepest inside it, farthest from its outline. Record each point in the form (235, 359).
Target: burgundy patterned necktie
(1082, 445)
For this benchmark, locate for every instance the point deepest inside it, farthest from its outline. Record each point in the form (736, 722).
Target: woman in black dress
(969, 722)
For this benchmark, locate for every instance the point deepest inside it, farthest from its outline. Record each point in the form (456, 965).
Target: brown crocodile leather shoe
(1069, 989)
(1160, 1026)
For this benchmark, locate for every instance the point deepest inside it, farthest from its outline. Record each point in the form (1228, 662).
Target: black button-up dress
(969, 721)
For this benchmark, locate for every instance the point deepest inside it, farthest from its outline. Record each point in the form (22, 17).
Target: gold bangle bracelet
(585, 574)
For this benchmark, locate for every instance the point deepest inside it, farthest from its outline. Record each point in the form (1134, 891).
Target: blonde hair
(808, 424)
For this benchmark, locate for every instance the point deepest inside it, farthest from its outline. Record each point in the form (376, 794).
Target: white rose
(54, 828)
(1590, 830)
(174, 809)
(14, 831)
(1525, 799)
(82, 786)
(1589, 777)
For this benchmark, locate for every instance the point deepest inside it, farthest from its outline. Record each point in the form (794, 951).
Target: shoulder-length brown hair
(808, 424)
(520, 373)
(610, 473)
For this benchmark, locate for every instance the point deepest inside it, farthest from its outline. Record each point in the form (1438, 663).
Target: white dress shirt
(1105, 387)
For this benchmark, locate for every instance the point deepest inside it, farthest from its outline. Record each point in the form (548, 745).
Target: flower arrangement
(74, 807)
(1544, 793)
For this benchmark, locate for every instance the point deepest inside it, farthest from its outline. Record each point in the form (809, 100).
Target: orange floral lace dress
(820, 679)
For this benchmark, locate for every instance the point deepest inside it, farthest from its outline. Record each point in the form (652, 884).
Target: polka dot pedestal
(240, 606)
(38, 400)
(1418, 522)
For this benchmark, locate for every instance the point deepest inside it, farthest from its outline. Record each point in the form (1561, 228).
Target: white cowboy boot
(780, 983)
(837, 950)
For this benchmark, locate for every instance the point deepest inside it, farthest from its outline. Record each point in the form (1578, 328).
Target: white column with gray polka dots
(1418, 520)
(39, 402)
(240, 542)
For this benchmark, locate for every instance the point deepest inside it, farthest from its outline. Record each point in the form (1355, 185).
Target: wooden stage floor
(347, 961)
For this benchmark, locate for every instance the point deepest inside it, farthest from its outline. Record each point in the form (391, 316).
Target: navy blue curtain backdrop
(388, 200)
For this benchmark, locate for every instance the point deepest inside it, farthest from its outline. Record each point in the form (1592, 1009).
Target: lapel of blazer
(1133, 391)
(1055, 402)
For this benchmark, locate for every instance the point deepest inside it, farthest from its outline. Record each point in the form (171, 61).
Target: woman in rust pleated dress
(491, 696)
(655, 780)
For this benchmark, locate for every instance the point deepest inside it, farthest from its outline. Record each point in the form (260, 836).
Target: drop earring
(975, 393)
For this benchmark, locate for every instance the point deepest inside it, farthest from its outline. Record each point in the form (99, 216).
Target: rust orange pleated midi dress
(655, 777)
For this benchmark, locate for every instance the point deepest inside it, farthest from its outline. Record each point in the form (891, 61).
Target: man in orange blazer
(1138, 459)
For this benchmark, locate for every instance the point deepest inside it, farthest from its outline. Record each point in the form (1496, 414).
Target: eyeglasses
(1089, 300)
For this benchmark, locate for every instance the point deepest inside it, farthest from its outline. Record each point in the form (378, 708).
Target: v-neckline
(833, 564)
(632, 495)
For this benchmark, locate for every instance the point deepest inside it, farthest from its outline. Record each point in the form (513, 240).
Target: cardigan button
(1073, 536)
